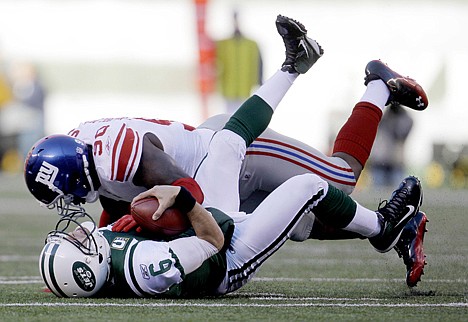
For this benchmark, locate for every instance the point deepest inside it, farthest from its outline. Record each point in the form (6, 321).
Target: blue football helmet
(56, 172)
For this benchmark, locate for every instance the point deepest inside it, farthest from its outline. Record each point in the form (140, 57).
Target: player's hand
(166, 196)
(125, 224)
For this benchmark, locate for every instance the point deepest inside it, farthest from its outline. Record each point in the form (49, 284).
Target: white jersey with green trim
(151, 268)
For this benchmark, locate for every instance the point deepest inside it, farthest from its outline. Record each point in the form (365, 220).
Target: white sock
(365, 222)
(377, 93)
(274, 89)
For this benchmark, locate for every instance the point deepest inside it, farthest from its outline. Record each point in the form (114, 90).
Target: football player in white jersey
(218, 256)
(123, 157)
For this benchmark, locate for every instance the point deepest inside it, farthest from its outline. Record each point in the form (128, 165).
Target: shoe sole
(413, 276)
(396, 82)
(282, 20)
(420, 102)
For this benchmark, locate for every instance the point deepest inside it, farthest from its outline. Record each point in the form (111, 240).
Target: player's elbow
(216, 239)
(205, 226)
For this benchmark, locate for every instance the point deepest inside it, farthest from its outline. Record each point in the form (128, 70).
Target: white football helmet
(75, 264)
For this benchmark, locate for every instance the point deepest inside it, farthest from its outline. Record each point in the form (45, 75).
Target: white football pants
(271, 224)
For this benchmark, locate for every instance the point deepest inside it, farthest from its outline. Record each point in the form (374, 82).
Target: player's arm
(114, 208)
(156, 166)
(189, 252)
(202, 221)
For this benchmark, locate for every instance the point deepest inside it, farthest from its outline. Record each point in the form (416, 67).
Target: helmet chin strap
(92, 195)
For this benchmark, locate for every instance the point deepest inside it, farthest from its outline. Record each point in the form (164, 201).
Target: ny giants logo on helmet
(84, 276)
(47, 174)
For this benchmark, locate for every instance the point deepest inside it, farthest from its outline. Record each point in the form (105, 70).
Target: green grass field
(309, 281)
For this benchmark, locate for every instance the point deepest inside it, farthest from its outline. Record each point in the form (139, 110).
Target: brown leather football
(171, 223)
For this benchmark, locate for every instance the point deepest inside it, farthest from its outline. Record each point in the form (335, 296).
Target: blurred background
(65, 62)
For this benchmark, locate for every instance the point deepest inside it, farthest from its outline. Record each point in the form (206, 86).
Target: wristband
(192, 186)
(184, 201)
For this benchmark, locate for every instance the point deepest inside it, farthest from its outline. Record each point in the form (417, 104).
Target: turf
(309, 281)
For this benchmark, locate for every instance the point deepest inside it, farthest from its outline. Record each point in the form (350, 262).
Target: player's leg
(274, 220)
(264, 231)
(352, 146)
(253, 117)
(218, 174)
(353, 143)
(356, 138)
(288, 157)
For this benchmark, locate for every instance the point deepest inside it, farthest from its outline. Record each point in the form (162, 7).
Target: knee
(215, 123)
(310, 183)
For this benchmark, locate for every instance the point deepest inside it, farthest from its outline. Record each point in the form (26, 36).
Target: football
(171, 223)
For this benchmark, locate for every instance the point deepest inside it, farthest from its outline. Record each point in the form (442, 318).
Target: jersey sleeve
(120, 152)
(152, 267)
(117, 149)
(192, 252)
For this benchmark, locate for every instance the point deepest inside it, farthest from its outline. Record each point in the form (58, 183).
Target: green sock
(251, 119)
(337, 209)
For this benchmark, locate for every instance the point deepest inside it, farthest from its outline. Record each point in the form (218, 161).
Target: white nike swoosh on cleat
(411, 210)
(315, 47)
(302, 43)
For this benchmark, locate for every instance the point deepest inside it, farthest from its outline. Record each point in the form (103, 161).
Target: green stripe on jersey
(132, 272)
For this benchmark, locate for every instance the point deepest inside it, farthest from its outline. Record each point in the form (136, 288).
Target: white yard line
(276, 304)
(337, 279)
(38, 280)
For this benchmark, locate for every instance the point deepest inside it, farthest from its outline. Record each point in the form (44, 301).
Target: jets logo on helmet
(84, 276)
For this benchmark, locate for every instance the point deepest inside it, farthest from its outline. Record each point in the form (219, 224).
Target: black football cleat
(410, 248)
(403, 90)
(395, 213)
(301, 51)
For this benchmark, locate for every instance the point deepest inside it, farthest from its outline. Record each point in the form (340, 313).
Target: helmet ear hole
(101, 258)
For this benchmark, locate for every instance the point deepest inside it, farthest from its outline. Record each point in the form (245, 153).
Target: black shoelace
(390, 209)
